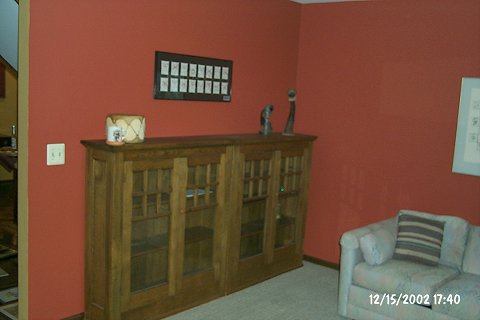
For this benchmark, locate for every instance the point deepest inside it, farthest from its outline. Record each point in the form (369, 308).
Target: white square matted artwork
(466, 157)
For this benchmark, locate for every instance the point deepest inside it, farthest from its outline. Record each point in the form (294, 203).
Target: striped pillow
(419, 239)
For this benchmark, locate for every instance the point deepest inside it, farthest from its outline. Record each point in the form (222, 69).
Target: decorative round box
(133, 126)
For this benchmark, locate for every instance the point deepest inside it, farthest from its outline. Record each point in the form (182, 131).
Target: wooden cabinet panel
(175, 222)
(269, 218)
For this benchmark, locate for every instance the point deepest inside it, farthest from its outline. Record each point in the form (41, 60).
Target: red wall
(91, 58)
(379, 83)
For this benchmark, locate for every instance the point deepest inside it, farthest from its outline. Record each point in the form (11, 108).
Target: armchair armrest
(351, 255)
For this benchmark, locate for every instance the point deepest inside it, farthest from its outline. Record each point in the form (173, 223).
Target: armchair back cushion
(455, 235)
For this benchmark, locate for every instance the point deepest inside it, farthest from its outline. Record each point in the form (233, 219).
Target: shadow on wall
(365, 195)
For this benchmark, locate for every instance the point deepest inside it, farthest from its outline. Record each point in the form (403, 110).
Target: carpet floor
(306, 293)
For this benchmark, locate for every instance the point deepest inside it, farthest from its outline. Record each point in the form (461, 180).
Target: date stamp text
(406, 298)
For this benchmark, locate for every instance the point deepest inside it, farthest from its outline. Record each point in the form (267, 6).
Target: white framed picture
(466, 158)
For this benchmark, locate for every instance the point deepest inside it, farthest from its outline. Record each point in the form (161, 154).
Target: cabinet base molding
(79, 316)
(325, 263)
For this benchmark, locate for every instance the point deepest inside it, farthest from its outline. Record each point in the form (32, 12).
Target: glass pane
(201, 205)
(199, 226)
(202, 186)
(137, 207)
(151, 205)
(164, 199)
(153, 183)
(150, 227)
(253, 223)
(149, 252)
(291, 171)
(285, 221)
(165, 180)
(149, 270)
(255, 192)
(151, 193)
(137, 181)
(255, 180)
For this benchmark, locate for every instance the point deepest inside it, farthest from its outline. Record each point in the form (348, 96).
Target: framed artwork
(466, 157)
(186, 77)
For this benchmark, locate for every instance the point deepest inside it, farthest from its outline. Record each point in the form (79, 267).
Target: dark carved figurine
(266, 126)
(288, 131)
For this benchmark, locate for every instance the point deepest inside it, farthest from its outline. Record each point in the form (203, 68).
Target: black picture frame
(187, 77)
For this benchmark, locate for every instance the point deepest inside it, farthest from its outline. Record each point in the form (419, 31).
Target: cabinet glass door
(288, 200)
(256, 181)
(201, 205)
(150, 225)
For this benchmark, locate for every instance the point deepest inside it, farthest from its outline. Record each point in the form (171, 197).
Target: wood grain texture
(175, 222)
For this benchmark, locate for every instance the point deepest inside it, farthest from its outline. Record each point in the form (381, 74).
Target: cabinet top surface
(207, 140)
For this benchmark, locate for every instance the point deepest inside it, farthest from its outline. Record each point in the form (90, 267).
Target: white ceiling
(321, 1)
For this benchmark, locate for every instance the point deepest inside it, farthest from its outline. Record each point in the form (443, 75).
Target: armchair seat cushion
(466, 305)
(402, 277)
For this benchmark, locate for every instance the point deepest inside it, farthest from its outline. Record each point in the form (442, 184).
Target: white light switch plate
(55, 154)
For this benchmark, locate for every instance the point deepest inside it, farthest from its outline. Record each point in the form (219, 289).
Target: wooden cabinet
(175, 222)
